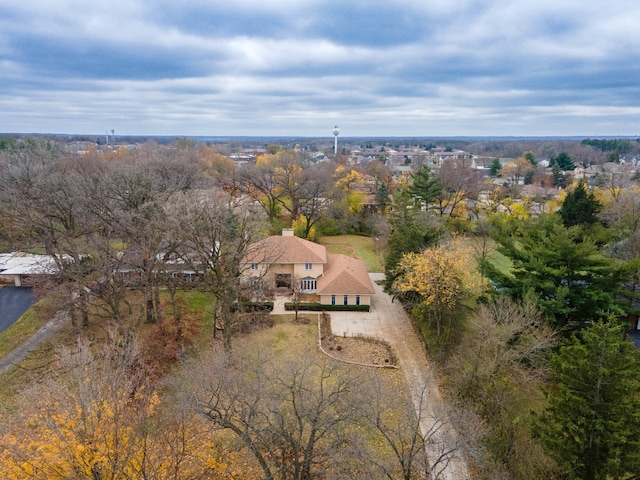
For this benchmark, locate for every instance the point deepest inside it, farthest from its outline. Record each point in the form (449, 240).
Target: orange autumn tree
(95, 417)
(437, 279)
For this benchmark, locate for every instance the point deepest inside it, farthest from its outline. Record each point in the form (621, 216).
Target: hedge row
(320, 307)
(248, 307)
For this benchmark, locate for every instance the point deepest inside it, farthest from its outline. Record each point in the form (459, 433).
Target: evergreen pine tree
(558, 175)
(564, 160)
(382, 197)
(573, 283)
(531, 158)
(424, 188)
(591, 426)
(411, 231)
(495, 167)
(580, 207)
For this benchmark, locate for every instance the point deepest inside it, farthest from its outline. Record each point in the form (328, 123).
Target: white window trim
(308, 285)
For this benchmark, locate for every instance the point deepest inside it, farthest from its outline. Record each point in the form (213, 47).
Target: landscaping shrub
(248, 307)
(320, 307)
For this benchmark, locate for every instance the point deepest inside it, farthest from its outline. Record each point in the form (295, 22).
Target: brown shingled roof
(345, 276)
(286, 249)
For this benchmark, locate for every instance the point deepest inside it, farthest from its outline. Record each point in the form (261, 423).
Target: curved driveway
(388, 321)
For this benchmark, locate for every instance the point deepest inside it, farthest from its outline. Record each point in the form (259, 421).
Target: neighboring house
(132, 265)
(440, 156)
(279, 261)
(319, 157)
(22, 268)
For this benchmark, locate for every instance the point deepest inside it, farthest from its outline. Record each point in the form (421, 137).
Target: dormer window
(308, 266)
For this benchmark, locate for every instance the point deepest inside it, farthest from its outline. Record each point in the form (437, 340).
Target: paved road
(14, 301)
(387, 321)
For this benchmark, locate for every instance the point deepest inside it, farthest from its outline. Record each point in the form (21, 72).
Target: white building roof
(20, 263)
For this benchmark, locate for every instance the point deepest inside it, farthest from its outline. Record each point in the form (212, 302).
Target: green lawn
(204, 302)
(20, 331)
(356, 246)
(501, 262)
(476, 244)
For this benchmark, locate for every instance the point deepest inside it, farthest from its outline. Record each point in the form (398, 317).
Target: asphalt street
(14, 301)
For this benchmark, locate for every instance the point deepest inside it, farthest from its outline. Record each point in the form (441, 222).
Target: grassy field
(204, 302)
(356, 246)
(20, 331)
(493, 255)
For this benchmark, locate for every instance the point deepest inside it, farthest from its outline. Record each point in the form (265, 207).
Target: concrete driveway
(384, 318)
(14, 301)
(388, 321)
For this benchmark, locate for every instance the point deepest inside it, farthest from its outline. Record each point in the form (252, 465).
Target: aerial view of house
(284, 262)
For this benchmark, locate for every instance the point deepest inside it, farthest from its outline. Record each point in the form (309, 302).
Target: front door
(283, 280)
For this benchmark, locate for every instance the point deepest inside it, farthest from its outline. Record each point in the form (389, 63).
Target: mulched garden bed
(359, 350)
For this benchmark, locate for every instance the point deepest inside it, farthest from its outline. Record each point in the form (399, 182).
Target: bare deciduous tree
(213, 233)
(500, 367)
(459, 182)
(291, 416)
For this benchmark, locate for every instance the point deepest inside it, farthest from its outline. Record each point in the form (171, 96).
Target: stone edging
(348, 361)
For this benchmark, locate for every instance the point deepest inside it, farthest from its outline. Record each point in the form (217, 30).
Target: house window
(254, 266)
(308, 266)
(333, 299)
(357, 299)
(308, 284)
(346, 300)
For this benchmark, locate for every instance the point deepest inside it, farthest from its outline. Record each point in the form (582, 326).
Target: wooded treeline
(523, 312)
(527, 317)
(124, 229)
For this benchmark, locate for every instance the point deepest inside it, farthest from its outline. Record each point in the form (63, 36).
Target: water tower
(336, 132)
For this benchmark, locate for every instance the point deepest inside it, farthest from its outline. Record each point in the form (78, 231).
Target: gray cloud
(284, 67)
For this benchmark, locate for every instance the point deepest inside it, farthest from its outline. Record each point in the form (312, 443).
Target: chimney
(287, 232)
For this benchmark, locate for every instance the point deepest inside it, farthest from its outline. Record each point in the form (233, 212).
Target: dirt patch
(252, 322)
(360, 350)
(302, 321)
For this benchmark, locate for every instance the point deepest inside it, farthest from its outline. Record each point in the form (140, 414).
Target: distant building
(22, 269)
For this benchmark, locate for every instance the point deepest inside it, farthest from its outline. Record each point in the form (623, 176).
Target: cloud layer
(286, 67)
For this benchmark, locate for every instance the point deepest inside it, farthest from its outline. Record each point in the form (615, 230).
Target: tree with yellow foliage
(95, 417)
(347, 179)
(516, 170)
(438, 279)
(217, 166)
(621, 207)
(301, 228)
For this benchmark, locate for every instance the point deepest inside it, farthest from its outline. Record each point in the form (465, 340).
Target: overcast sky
(299, 67)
